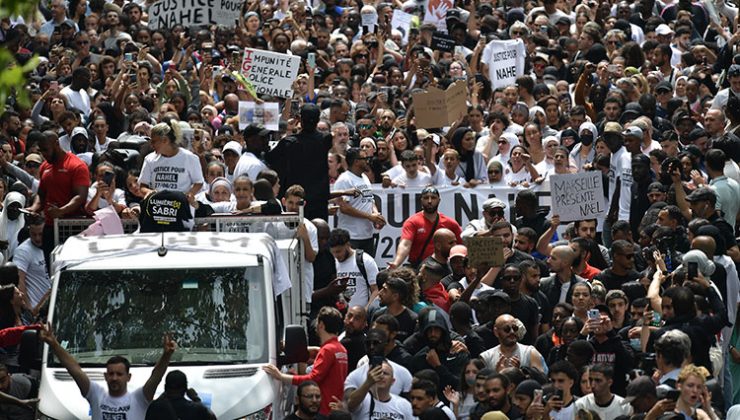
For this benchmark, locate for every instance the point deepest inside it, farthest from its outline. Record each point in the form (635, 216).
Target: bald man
(443, 240)
(353, 337)
(558, 286)
(510, 353)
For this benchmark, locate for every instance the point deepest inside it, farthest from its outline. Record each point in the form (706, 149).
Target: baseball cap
(422, 134)
(664, 86)
(702, 194)
(79, 131)
(697, 133)
(34, 157)
(255, 130)
(233, 146)
(430, 190)
(633, 132)
(734, 70)
(612, 128)
(656, 187)
(458, 251)
(663, 30)
(640, 386)
(493, 203)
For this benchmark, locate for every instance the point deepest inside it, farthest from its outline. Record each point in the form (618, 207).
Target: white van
(118, 295)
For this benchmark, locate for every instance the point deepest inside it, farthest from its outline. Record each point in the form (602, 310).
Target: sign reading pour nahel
(168, 13)
(270, 73)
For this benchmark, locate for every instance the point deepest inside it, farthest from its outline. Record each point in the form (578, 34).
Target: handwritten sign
(485, 250)
(269, 72)
(578, 196)
(505, 60)
(168, 13)
(442, 42)
(438, 108)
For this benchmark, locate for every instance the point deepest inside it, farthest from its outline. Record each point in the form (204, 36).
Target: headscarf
(220, 181)
(465, 156)
(9, 228)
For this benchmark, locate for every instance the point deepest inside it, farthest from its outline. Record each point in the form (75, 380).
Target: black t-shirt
(526, 310)
(293, 416)
(165, 211)
(164, 408)
(406, 322)
(324, 271)
(443, 264)
(612, 281)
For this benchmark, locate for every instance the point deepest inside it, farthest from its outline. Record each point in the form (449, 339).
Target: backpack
(361, 265)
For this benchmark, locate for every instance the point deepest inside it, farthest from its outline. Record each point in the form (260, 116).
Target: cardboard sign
(269, 72)
(402, 22)
(578, 196)
(168, 13)
(442, 42)
(439, 108)
(266, 114)
(435, 11)
(485, 250)
(505, 60)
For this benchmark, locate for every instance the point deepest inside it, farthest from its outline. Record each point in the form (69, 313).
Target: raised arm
(160, 368)
(66, 359)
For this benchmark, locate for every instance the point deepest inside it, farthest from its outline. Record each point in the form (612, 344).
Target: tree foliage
(12, 74)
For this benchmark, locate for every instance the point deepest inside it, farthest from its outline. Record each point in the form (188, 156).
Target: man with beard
(443, 240)
(374, 400)
(10, 128)
(418, 230)
(424, 397)
(504, 230)
(76, 92)
(509, 353)
(493, 211)
(385, 122)
(530, 286)
(308, 402)
(381, 162)
(438, 352)
(642, 178)
(558, 287)
(620, 178)
(523, 307)
(623, 266)
(353, 337)
(457, 261)
(498, 389)
(301, 160)
(375, 344)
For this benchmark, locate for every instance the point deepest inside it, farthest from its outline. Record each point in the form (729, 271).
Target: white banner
(505, 60)
(402, 21)
(462, 204)
(168, 13)
(578, 196)
(271, 73)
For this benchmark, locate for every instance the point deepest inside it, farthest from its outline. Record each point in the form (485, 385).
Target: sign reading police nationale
(269, 72)
(168, 13)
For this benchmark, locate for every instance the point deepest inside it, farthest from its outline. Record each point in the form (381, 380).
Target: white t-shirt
(176, 173)
(100, 148)
(78, 99)
(402, 376)
(620, 167)
(313, 237)
(357, 292)
(358, 228)
(422, 179)
(119, 196)
(249, 165)
(395, 408)
(131, 406)
(617, 407)
(30, 259)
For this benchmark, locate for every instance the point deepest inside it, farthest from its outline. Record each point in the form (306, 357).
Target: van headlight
(263, 414)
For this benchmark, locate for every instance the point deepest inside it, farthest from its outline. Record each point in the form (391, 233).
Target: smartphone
(693, 270)
(376, 360)
(673, 395)
(128, 57)
(611, 68)
(294, 108)
(459, 50)
(108, 178)
(594, 314)
(311, 60)
(235, 57)
(543, 29)
(309, 22)
(558, 394)
(537, 395)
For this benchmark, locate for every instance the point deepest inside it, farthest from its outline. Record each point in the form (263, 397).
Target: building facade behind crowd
(629, 315)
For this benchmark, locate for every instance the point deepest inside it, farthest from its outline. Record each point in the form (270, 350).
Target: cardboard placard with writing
(168, 13)
(439, 108)
(578, 196)
(485, 250)
(442, 42)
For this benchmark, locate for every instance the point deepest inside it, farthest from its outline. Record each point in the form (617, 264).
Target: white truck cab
(118, 295)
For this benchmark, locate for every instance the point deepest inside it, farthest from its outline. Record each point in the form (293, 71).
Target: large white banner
(462, 204)
(505, 60)
(168, 13)
(269, 72)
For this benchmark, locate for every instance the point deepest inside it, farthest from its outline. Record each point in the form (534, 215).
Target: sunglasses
(496, 212)
(32, 165)
(510, 278)
(362, 55)
(508, 328)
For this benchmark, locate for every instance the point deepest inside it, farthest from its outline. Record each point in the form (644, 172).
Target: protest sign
(369, 17)
(505, 60)
(461, 204)
(435, 12)
(168, 13)
(402, 22)
(442, 42)
(438, 108)
(485, 250)
(269, 72)
(266, 114)
(578, 196)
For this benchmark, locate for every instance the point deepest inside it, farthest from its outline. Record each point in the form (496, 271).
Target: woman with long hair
(533, 142)
(49, 107)
(11, 309)
(464, 402)
(472, 164)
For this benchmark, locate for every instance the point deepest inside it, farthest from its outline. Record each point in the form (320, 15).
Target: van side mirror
(29, 354)
(296, 346)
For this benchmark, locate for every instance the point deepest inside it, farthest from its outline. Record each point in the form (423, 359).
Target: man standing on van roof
(330, 367)
(117, 402)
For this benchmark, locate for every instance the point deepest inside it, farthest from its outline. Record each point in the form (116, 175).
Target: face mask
(586, 140)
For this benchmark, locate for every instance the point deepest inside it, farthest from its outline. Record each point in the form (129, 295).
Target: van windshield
(216, 315)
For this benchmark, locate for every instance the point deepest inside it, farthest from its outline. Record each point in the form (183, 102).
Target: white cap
(663, 30)
(234, 147)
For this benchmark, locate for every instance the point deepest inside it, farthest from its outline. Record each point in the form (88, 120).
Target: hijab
(466, 157)
(9, 228)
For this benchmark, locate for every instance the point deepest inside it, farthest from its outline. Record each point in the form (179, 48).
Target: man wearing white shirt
(249, 164)
(411, 177)
(76, 93)
(358, 213)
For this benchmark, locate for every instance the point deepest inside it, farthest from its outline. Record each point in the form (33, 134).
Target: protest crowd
(598, 138)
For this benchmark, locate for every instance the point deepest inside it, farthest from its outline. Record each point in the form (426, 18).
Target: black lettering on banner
(392, 218)
(390, 247)
(461, 205)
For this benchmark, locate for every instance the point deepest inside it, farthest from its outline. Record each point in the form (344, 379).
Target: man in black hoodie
(439, 353)
(609, 349)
